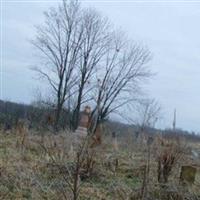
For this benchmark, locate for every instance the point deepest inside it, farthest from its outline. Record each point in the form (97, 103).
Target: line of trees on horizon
(11, 113)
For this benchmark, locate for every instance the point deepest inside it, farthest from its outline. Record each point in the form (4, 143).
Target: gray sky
(170, 30)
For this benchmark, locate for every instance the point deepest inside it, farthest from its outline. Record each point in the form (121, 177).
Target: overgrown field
(61, 166)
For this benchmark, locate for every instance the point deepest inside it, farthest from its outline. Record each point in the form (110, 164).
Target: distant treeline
(167, 133)
(38, 116)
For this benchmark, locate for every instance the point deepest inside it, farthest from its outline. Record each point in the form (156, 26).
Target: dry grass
(44, 168)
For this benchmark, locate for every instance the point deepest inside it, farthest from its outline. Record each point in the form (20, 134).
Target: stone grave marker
(114, 141)
(83, 123)
(188, 174)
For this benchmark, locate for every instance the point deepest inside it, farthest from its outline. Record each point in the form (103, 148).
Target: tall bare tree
(119, 79)
(94, 47)
(59, 41)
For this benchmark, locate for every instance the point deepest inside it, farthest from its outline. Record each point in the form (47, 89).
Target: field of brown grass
(55, 167)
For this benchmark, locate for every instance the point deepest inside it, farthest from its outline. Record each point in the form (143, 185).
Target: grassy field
(50, 167)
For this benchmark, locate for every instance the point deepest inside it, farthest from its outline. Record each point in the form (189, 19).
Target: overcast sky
(170, 30)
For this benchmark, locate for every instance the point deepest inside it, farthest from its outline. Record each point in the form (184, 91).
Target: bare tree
(94, 47)
(59, 41)
(149, 112)
(119, 79)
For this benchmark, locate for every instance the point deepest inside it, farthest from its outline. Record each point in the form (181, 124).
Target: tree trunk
(57, 116)
(77, 110)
